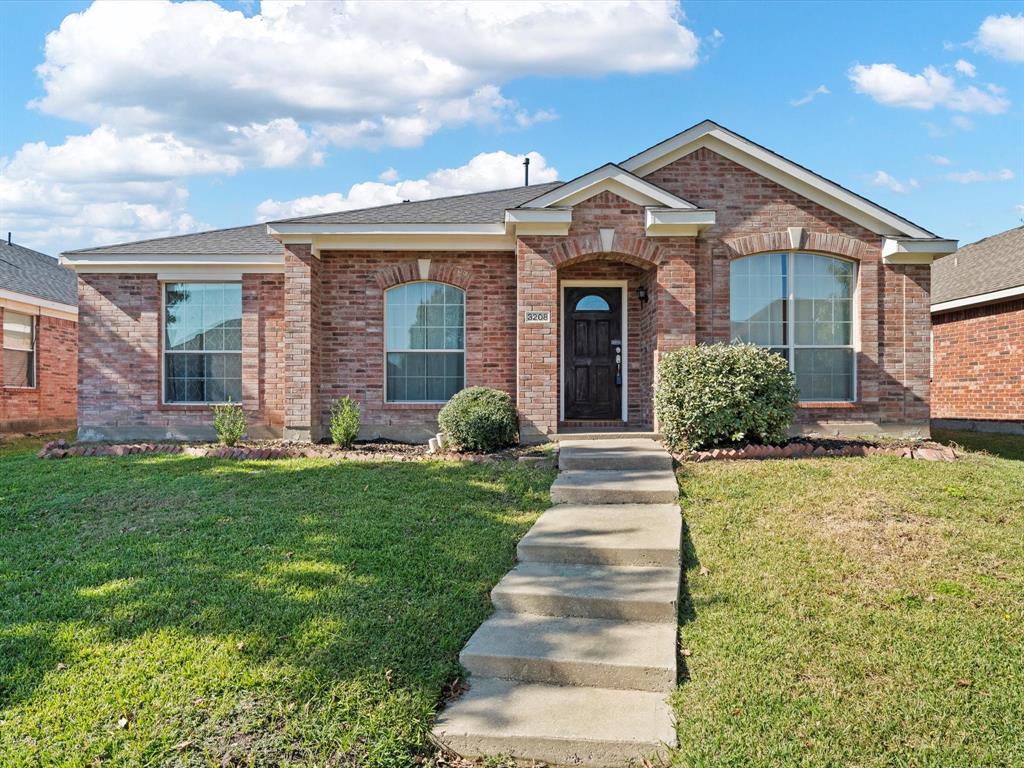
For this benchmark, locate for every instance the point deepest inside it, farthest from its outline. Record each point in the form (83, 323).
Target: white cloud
(962, 122)
(883, 179)
(939, 160)
(973, 177)
(888, 84)
(807, 98)
(388, 175)
(1002, 37)
(965, 68)
(488, 170)
(349, 72)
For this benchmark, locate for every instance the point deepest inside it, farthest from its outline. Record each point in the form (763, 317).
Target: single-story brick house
(978, 336)
(39, 339)
(563, 294)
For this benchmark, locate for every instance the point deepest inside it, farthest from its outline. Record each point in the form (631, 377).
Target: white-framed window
(19, 350)
(802, 306)
(425, 337)
(202, 327)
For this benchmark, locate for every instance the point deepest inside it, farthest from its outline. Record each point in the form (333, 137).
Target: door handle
(618, 366)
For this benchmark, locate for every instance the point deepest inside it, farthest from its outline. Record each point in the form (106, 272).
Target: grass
(176, 611)
(854, 612)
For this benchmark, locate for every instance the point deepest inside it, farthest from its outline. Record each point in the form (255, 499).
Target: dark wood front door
(593, 353)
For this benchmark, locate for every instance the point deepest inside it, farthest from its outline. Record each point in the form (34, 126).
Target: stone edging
(809, 450)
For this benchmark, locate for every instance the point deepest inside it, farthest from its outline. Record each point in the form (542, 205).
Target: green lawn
(174, 611)
(854, 612)
(193, 612)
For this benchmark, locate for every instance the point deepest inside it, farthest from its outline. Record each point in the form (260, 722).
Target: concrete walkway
(574, 666)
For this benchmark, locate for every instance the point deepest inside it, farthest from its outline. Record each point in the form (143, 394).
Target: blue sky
(141, 121)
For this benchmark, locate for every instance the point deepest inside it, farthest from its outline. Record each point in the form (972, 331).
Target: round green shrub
(724, 393)
(479, 419)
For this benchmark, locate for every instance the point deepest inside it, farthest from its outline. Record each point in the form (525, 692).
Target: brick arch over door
(820, 242)
(409, 272)
(638, 251)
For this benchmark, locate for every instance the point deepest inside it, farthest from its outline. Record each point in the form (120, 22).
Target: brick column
(302, 417)
(537, 344)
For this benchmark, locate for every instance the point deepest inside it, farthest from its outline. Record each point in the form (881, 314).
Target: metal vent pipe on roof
(526, 171)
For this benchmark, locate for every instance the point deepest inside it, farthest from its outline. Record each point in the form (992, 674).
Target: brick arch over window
(409, 272)
(822, 242)
(638, 251)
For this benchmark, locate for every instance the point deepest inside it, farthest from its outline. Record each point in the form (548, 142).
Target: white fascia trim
(666, 222)
(413, 242)
(776, 168)
(912, 250)
(308, 230)
(981, 298)
(610, 178)
(538, 221)
(150, 263)
(33, 305)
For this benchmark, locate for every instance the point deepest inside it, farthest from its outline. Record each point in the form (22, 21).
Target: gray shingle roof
(250, 239)
(23, 270)
(475, 208)
(988, 265)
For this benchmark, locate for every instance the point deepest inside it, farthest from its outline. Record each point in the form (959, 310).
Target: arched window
(801, 306)
(425, 326)
(592, 303)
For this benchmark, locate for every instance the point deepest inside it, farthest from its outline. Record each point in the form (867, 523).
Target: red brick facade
(50, 404)
(316, 332)
(978, 372)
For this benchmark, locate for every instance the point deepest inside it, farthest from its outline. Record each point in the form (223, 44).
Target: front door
(593, 352)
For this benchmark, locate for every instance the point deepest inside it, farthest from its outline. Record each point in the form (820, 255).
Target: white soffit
(912, 250)
(608, 178)
(668, 222)
(538, 221)
(33, 305)
(981, 298)
(772, 166)
(210, 265)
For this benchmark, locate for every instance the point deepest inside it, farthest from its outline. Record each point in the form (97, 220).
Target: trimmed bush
(724, 393)
(344, 421)
(479, 419)
(229, 423)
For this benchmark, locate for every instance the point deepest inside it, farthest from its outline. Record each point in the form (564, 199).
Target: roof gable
(782, 171)
(609, 178)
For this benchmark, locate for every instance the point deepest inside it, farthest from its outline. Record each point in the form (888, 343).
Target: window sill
(16, 387)
(191, 406)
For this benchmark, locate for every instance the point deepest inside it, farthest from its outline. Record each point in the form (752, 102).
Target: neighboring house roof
(989, 270)
(251, 239)
(475, 208)
(32, 273)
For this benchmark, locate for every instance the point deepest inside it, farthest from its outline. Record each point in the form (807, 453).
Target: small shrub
(724, 393)
(479, 419)
(344, 422)
(229, 423)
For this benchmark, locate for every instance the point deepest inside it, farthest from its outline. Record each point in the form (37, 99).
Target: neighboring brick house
(978, 336)
(563, 294)
(39, 339)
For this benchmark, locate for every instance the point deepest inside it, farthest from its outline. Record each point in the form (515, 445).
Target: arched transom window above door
(592, 303)
(801, 306)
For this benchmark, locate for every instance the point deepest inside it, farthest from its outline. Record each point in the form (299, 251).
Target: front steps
(574, 666)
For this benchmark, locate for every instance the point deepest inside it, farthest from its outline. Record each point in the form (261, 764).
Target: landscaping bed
(806, 447)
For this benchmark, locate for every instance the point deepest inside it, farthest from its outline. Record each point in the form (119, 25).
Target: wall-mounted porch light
(641, 294)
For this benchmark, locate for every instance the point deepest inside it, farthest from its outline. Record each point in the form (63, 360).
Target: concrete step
(561, 725)
(571, 651)
(603, 434)
(605, 534)
(630, 486)
(613, 454)
(630, 593)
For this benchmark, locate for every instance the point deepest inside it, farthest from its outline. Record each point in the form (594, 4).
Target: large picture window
(426, 327)
(19, 350)
(801, 306)
(202, 342)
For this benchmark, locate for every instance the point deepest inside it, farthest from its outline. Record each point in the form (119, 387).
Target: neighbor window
(19, 350)
(202, 342)
(425, 326)
(800, 305)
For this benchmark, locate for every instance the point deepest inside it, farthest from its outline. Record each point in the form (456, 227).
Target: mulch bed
(804, 448)
(378, 450)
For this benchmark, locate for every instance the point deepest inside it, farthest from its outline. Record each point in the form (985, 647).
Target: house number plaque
(538, 317)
